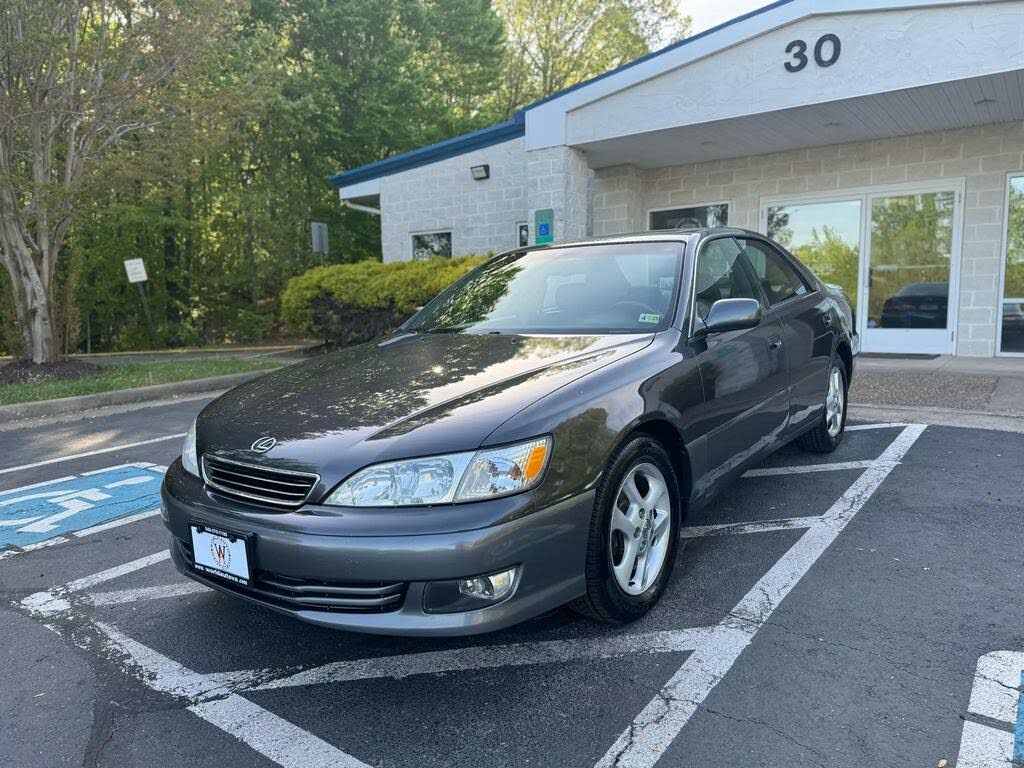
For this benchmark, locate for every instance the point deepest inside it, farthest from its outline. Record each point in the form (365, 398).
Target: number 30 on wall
(826, 52)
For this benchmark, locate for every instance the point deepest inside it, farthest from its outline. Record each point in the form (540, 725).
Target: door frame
(1004, 251)
(865, 195)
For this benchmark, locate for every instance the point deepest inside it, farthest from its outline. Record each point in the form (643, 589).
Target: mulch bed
(26, 372)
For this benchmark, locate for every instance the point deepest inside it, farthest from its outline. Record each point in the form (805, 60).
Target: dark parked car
(917, 305)
(534, 436)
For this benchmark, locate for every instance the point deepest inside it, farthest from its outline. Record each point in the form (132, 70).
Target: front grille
(258, 484)
(311, 594)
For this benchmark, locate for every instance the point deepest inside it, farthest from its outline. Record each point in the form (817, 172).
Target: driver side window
(721, 275)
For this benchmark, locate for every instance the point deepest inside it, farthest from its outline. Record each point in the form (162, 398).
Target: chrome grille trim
(259, 484)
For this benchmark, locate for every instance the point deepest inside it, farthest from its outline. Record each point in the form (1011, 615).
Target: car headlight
(446, 479)
(189, 457)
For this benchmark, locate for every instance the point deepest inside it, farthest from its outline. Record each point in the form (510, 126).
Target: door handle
(774, 343)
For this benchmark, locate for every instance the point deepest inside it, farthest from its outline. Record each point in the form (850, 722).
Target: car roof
(649, 236)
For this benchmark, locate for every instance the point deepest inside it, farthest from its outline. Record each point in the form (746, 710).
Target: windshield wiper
(447, 328)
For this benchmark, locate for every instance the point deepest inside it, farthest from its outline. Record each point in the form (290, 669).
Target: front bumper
(548, 546)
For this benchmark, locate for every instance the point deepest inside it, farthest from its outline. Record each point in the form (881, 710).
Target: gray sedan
(533, 437)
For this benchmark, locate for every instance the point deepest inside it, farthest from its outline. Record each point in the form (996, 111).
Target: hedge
(352, 303)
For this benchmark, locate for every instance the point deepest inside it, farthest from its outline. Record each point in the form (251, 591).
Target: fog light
(492, 588)
(470, 593)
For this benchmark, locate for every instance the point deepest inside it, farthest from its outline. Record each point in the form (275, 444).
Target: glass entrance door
(908, 272)
(1011, 310)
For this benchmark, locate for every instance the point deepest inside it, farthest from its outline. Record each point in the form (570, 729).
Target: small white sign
(136, 270)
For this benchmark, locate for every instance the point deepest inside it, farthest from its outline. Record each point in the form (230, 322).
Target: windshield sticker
(666, 283)
(649, 317)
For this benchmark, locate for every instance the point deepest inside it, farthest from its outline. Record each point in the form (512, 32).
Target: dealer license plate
(220, 553)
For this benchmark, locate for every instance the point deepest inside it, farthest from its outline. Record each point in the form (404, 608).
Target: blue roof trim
(495, 134)
(467, 142)
(660, 51)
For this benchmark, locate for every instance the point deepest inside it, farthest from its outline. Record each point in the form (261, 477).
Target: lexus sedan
(534, 436)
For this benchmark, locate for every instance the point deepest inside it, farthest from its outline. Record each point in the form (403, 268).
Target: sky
(709, 13)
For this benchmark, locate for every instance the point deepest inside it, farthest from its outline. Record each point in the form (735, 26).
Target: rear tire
(634, 531)
(828, 432)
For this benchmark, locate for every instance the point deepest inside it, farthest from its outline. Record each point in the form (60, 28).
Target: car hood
(412, 395)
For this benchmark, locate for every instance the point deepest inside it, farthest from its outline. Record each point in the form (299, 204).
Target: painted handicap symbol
(35, 513)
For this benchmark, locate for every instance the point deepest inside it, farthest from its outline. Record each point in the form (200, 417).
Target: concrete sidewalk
(957, 391)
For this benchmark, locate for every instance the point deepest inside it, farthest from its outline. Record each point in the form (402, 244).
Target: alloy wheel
(640, 527)
(834, 402)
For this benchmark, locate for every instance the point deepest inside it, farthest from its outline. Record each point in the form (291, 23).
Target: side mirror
(729, 315)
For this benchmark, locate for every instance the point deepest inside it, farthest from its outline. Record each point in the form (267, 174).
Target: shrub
(351, 303)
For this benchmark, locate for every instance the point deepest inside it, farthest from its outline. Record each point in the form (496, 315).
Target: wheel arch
(846, 355)
(665, 432)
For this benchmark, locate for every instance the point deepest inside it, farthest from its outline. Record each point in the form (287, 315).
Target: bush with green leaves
(351, 303)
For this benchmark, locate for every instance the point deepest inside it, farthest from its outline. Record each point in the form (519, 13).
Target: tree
(554, 44)
(80, 82)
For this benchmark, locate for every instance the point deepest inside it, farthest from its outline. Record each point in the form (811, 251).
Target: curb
(947, 417)
(42, 408)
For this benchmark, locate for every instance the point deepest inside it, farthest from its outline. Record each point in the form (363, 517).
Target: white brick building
(881, 141)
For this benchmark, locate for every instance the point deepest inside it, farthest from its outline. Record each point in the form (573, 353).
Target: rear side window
(779, 279)
(720, 275)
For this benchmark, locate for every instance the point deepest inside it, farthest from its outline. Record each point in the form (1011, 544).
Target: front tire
(633, 533)
(828, 432)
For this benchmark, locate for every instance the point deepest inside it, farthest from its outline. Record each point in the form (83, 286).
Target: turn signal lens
(503, 471)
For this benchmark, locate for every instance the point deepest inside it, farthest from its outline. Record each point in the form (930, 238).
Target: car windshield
(613, 288)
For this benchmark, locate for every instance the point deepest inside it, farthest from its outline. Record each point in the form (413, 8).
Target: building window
(1011, 313)
(715, 215)
(428, 245)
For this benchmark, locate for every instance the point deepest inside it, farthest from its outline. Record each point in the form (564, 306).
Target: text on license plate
(220, 553)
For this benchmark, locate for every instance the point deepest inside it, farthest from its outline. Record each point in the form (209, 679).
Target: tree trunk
(32, 291)
(44, 338)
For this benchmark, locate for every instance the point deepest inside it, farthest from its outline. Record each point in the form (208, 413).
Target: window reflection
(911, 247)
(824, 236)
(1012, 336)
(692, 217)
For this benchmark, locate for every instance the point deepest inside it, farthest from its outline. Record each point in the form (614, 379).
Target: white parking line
(760, 526)
(120, 596)
(657, 726)
(988, 739)
(32, 547)
(476, 657)
(800, 469)
(273, 737)
(879, 425)
(88, 582)
(97, 452)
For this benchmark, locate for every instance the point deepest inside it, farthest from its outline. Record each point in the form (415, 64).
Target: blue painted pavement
(38, 512)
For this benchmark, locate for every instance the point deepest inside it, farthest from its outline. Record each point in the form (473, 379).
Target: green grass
(130, 376)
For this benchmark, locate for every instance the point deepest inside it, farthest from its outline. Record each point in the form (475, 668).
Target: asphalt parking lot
(857, 609)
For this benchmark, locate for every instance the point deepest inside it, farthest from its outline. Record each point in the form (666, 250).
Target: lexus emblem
(263, 445)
